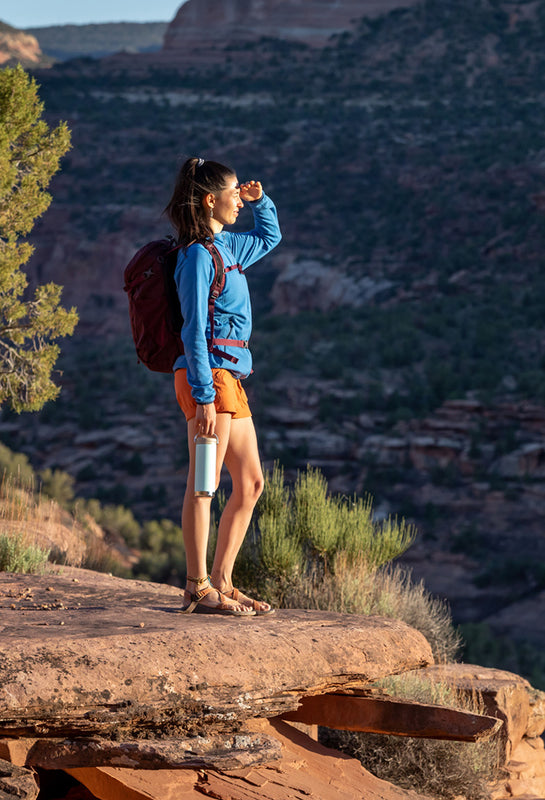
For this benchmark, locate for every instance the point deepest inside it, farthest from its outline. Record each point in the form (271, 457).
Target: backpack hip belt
(213, 343)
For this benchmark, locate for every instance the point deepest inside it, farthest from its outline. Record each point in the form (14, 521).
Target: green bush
(115, 519)
(17, 556)
(57, 485)
(307, 528)
(16, 466)
(308, 549)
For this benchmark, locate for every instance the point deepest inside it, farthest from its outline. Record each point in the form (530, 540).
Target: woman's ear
(209, 201)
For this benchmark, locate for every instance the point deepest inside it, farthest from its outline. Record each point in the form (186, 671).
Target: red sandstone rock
(17, 783)
(504, 695)
(199, 23)
(221, 752)
(19, 47)
(511, 698)
(307, 769)
(107, 655)
(392, 716)
(525, 773)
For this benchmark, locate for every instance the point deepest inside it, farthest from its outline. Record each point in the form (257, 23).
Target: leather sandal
(196, 606)
(235, 594)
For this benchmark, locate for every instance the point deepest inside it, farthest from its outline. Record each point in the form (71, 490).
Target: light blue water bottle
(205, 465)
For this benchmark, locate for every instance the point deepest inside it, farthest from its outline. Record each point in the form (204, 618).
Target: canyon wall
(199, 22)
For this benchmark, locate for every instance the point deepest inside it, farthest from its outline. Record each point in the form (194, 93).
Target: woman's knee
(250, 489)
(259, 485)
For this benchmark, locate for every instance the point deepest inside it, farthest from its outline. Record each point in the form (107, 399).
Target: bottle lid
(200, 439)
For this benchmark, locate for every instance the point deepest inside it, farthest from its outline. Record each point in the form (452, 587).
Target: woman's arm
(193, 276)
(252, 245)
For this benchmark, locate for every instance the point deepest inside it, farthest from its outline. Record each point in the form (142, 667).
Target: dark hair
(186, 211)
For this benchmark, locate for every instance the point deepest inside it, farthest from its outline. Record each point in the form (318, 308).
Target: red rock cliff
(18, 47)
(309, 21)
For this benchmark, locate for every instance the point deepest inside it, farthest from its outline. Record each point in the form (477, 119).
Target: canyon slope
(203, 24)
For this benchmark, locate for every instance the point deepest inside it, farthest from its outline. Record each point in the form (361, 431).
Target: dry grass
(355, 587)
(35, 529)
(36, 522)
(312, 550)
(440, 769)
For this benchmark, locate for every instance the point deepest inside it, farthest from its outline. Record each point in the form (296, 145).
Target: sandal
(195, 604)
(234, 594)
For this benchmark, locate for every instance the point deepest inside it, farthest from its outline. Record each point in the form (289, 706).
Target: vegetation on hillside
(307, 548)
(29, 155)
(409, 151)
(74, 41)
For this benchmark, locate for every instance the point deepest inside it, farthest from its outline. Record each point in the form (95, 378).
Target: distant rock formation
(201, 22)
(18, 47)
(63, 42)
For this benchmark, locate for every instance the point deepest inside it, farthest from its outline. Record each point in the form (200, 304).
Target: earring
(211, 213)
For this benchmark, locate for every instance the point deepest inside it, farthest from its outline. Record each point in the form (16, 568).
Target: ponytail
(186, 210)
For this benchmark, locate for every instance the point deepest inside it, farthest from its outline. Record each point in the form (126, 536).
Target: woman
(206, 198)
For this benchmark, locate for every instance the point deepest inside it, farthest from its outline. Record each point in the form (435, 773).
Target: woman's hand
(251, 191)
(206, 419)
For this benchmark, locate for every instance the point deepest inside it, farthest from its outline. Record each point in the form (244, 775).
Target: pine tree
(30, 153)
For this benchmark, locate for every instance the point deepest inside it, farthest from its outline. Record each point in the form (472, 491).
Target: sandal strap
(234, 594)
(202, 593)
(196, 598)
(199, 580)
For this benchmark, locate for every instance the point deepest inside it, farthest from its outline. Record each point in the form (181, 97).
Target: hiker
(206, 198)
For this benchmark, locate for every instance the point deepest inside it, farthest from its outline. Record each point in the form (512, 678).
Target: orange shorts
(230, 396)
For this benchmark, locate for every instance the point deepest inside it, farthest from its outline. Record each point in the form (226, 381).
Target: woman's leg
(242, 461)
(196, 514)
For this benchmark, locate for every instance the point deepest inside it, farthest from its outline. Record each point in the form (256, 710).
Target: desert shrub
(114, 519)
(16, 466)
(58, 485)
(308, 549)
(441, 769)
(162, 555)
(99, 558)
(16, 555)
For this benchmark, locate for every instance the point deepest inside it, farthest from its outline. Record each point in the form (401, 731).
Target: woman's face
(228, 203)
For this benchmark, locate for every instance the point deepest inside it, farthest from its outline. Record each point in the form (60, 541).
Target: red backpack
(154, 307)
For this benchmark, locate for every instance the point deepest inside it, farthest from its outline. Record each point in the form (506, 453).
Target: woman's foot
(260, 607)
(203, 598)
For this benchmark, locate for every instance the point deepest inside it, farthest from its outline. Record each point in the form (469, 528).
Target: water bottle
(205, 465)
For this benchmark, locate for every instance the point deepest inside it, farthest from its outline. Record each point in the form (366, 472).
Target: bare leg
(196, 514)
(242, 461)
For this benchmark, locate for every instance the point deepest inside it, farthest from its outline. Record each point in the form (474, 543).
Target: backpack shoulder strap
(218, 283)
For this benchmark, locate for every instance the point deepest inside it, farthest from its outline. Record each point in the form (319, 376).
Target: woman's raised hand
(250, 191)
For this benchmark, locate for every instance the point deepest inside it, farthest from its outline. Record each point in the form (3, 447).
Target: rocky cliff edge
(105, 679)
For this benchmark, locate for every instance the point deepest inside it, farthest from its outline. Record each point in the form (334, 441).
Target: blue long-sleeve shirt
(232, 313)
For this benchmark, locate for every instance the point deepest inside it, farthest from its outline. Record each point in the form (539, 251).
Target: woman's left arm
(252, 245)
